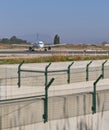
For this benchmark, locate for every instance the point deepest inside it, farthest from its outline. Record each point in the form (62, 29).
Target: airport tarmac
(23, 52)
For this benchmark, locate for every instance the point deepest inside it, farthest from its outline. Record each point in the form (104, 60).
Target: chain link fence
(29, 111)
(22, 112)
(78, 73)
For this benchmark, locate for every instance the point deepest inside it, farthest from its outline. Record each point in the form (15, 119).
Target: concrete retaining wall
(69, 105)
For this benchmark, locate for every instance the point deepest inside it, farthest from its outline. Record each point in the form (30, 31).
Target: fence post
(46, 74)
(45, 115)
(68, 71)
(94, 94)
(87, 70)
(19, 70)
(103, 68)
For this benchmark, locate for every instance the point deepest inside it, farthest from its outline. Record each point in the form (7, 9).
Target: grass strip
(53, 58)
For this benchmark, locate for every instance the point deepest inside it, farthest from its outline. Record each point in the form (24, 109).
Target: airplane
(41, 45)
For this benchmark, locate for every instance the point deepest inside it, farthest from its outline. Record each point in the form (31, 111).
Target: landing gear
(31, 49)
(49, 48)
(46, 49)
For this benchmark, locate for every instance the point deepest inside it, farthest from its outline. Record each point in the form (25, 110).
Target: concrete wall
(88, 122)
(65, 112)
(69, 105)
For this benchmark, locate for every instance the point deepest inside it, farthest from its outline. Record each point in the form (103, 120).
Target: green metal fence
(29, 111)
(69, 74)
(33, 76)
(13, 111)
(46, 72)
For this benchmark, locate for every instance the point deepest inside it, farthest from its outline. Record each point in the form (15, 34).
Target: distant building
(106, 44)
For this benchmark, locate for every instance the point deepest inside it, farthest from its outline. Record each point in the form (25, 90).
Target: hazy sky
(75, 21)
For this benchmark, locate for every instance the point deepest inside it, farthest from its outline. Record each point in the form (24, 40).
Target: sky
(75, 21)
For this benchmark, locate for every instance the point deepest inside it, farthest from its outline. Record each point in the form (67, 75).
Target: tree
(4, 40)
(12, 40)
(15, 40)
(56, 39)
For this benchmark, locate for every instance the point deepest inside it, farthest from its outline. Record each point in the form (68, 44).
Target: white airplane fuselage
(40, 44)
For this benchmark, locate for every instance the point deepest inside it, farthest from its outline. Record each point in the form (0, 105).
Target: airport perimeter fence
(24, 112)
(67, 72)
(32, 76)
(13, 111)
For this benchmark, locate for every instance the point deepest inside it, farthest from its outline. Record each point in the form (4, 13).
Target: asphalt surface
(70, 52)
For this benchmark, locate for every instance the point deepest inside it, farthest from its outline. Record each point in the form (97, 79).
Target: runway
(69, 52)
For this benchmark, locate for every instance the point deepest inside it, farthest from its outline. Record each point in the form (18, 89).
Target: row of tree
(12, 40)
(15, 40)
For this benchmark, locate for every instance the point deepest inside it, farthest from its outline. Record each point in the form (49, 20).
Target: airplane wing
(40, 45)
(49, 46)
(53, 45)
(23, 45)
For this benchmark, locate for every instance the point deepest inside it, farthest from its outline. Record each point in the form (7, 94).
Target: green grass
(53, 58)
